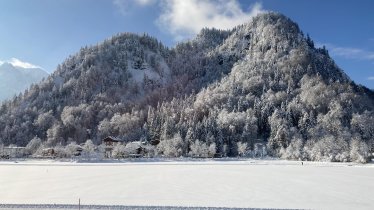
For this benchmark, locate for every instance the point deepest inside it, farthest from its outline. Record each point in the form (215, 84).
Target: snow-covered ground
(230, 183)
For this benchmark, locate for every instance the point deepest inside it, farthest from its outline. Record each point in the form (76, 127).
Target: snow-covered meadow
(230, 183)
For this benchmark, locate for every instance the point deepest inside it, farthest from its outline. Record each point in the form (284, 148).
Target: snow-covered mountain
(15, 79)
(222, 92)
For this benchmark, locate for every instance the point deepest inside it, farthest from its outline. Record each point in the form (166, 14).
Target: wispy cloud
(349, 52)
(186, 18)
(18, 63)
(145, 2)
(370, 78)
(125, 6)
(122, 6)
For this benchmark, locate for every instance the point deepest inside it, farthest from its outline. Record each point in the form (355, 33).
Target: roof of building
(111, 138)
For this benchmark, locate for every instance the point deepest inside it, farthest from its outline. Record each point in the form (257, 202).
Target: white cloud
(370, 78)
(185, 18)
(18, 63)
(349, 52)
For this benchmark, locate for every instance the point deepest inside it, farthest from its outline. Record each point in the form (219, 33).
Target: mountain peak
(7, 65)
(16, 76)
(272, 18)
(22, 64)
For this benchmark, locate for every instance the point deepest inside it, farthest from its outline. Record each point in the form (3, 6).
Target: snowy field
(232, 183)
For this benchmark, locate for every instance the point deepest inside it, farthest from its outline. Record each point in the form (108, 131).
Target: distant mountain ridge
(263, 81)
(15, 79)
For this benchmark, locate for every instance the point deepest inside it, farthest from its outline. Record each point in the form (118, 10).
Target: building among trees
(13, 152)
(110, 142)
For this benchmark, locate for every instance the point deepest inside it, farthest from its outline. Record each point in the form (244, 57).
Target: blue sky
(45, 32)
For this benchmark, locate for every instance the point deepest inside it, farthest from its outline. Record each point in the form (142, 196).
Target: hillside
(221, 92)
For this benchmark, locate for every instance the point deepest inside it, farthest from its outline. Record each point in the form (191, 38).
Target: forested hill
(223, 91)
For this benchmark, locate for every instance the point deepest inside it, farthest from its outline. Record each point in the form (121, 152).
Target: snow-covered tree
(212, 150)
(359, 151)
(294, 151)
(33, 145)
(171, 147)
(242, 148)
(199, 149)
(119, 151)
(89, 150)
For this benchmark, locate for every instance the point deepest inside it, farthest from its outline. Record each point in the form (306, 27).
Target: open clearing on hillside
(241, 183)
